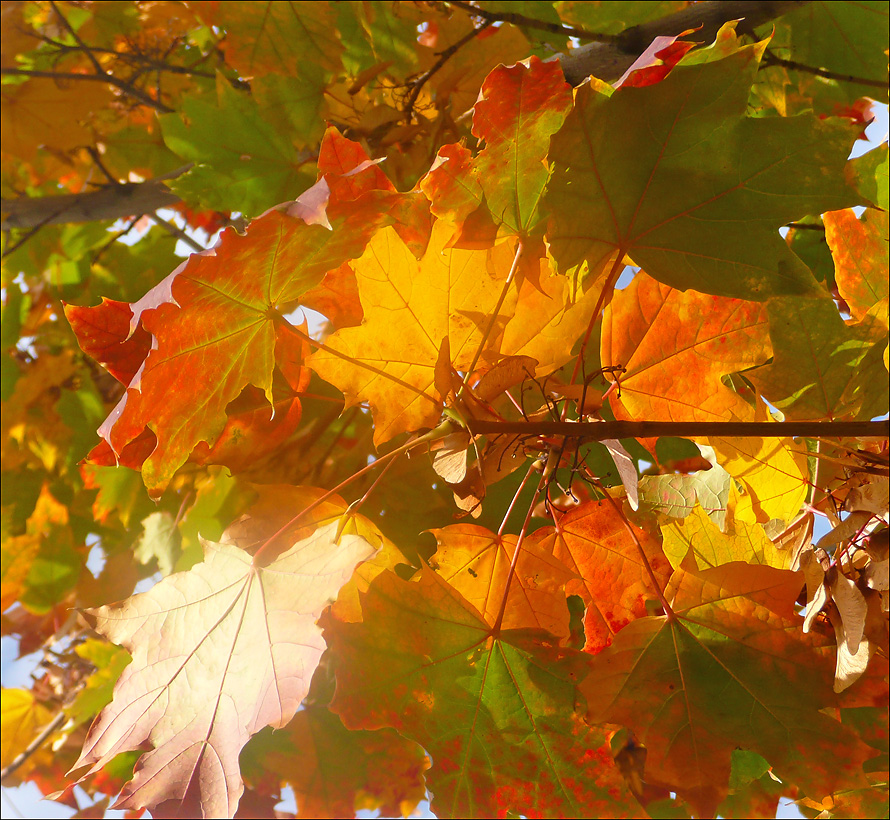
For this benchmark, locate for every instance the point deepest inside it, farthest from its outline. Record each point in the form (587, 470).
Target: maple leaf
(696, 194)
(21, 718)
(519, 108)
(335, 772)
(772, 471)
(278, 37)
(594, 542)
(710, 547)
(495, 712)
(213, 334)
(41, 112)
(859, 249)
(823, 368)
(219, 652)
(442, 305)
(695, 686)
(242, 161)
(677, 494)
(677, 347)
(478, 562)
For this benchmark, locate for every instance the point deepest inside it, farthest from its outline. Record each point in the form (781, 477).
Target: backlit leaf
(696, 687)
(218, 653)
(696, 194)
(676, 347)
(494, 712)
(594, 542)
(823, 368)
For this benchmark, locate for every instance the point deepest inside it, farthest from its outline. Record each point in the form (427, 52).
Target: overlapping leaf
(335, 772)
(288, 38)
(214, 333)
(710, 547)
(677, 494)
(772, 471)
(424, 317)
(823, 368)
(495, 712)
(520, 107)
(696, 192)
(218, 652)
(242, 160)
(594, 542)
(677, 347)
(478, 561)
(697, 686)
(859, 248)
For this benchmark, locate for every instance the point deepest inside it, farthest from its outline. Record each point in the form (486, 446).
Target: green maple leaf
(496, 713)
(696, 191)
(731, 670)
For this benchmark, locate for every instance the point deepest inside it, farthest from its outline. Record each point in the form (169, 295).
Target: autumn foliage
(477, 460)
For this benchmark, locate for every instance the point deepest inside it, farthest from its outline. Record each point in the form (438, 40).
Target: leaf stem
(531, 469)
(630, 530)
(495, 629)
(494, 316)
(282, 322)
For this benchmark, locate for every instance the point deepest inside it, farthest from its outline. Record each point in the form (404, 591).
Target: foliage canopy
(479, 458)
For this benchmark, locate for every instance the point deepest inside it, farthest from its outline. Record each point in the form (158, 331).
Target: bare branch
(111, 202)
(83, 46)
(443, 58)
(178, 233)
(123, 85)
(608, 61)
(529, 22)
(770, 59)
(600, 430)
(33, 746)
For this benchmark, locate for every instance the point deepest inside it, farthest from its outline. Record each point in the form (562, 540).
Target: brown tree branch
(770, 59)
(600, 430)
(522, 21)
(608, 61)
(81, 44)
(446, 55)
(110, 202)
(126, 87)
(179, 233)
(33, 746)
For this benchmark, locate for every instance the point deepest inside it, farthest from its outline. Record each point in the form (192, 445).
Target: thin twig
(600, 430)
(114, 237)
(33, 746)
(25, 238)
(83, 46)
(179, 233)
(446, 55)
(770, 59)
(97, 158)
(123, 85)
(131, 58)
(497, 309)
(530, 22)
(804, 226)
